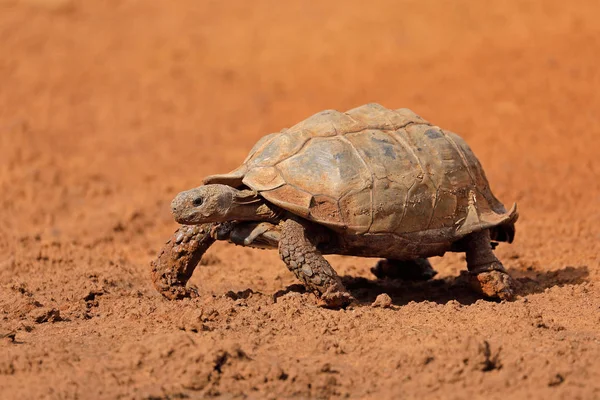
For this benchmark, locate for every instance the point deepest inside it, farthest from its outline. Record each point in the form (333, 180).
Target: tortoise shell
(372, 170)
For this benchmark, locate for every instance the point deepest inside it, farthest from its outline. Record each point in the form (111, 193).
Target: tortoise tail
(505, 232)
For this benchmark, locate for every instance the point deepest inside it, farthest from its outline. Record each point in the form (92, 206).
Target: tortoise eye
(198, 201)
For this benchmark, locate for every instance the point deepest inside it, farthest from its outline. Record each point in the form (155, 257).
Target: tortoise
(370, 182)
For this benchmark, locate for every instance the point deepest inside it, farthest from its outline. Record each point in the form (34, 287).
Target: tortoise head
(208, 203)
(219, 203)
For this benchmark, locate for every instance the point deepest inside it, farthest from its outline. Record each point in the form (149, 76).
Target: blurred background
(111, 105)
(109, 108)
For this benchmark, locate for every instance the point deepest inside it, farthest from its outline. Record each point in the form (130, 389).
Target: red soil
(109, 108)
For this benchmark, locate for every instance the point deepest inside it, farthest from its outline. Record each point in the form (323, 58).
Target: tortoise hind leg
(411, 270)
(298, 250)
(487, 275)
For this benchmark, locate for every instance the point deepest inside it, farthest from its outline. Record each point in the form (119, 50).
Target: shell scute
(356, 211)
(325, 208)
(375, 116)
(327, 123)
(290, 198)
(280, 147)
(385, 156)
(410, 116)
(417, 208)
(264, 178)
(388, 203)
(328, 166)
(445, 210)
(260, 144)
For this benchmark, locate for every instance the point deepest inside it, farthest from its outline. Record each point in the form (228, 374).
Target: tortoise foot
(177, 260)
(413, 270)
(495, 284)
(335, 298)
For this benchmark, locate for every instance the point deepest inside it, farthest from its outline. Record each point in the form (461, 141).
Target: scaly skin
(178, 258)
(298, 250)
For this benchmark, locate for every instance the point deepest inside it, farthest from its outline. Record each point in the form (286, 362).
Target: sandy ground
(109, 108)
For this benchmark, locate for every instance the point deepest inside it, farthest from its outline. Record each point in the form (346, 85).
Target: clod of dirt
(383, 301)
(22, 288)
(223, 356)
(46, 314)
(243, 294)
(328, 369)
(480, 357)
(295, 288)
(91, 295)
(193, 321)
(25, 327)
(225, 363)
(556, 380)
(9, 336)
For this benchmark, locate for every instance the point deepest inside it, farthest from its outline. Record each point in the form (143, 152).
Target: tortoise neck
(247, 205)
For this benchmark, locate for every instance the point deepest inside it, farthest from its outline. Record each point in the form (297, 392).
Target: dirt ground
(109, 108)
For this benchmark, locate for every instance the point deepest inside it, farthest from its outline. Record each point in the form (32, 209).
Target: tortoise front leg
(298, 250)
(178, 258)
(486, 273)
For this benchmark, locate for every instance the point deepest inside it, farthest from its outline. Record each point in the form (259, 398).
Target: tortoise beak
(185, 206)
(176, 206)
(180, 207)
